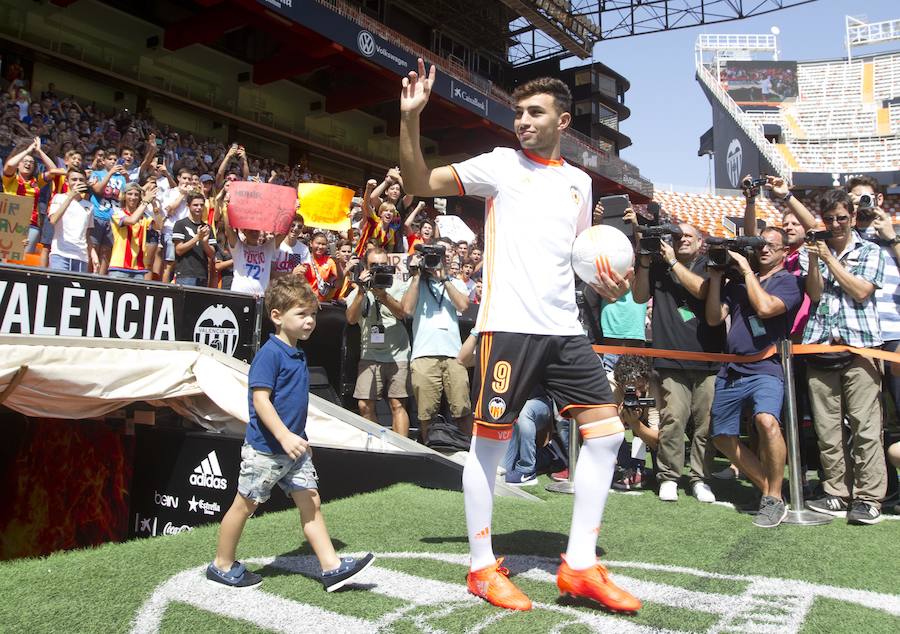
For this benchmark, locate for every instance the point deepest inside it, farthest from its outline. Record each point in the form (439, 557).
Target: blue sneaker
(349, 568)
(518, 479)
(237, 577)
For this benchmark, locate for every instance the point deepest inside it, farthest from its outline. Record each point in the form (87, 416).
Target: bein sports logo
(759, 604)
(366, 43)
(218, 328)
(164, 500)
(733, 159)
(209, 474)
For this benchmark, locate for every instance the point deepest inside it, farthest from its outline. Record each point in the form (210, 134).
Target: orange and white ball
(601, 249)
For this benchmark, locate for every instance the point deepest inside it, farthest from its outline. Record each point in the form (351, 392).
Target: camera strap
(439, 300)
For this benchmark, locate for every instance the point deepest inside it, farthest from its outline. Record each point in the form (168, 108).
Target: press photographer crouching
(433, 299)
(374, 303)
(631, 381)
(762, 307)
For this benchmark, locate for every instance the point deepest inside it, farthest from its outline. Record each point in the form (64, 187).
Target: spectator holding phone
(71, 217)
(194, 244)
(107, 185)
(132, 220)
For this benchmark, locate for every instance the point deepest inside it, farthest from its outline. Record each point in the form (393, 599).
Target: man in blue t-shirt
(106, 186)
(276, 449)
(762, 308)
(433, 299)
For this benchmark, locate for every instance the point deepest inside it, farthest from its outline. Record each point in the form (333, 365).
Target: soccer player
(276, 449)
(528, 325)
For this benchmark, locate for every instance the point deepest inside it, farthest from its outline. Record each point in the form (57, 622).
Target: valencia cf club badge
(496, 407)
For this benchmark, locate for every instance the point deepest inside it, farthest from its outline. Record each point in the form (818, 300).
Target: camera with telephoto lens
(652, 236)
(718, 256)
(631, 400)
(432, 255)
(817, 236)
(380, 276)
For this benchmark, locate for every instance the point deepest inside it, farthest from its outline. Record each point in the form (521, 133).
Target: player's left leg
(576, 380)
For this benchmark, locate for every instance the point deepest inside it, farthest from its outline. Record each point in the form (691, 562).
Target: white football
(601, 249)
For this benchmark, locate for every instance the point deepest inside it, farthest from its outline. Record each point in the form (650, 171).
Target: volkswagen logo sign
(366, 43)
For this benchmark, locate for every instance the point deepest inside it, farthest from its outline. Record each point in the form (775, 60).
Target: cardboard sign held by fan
(261, 206)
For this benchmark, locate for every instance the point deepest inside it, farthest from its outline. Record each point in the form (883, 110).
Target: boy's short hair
(856, 181)
(289, 291)
(562, 96)
(75, 170)
(192, 196)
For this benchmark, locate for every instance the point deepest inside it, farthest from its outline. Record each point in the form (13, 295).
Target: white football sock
(593, 477)
(479, 476)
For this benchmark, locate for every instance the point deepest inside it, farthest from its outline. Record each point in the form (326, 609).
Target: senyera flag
(325, 206)
(261, 206)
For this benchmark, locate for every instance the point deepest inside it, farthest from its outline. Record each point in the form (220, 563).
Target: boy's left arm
(293, 445)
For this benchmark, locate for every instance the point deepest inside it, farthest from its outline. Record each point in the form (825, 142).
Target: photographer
(433, 300)
(874, 225)
(762, 308)
(632, 381)
(677, 279)
(374, 304)
(844, 273)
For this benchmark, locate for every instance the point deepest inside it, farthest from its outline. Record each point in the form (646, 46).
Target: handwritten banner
(261, 206)
(325, 206)
(15, 216)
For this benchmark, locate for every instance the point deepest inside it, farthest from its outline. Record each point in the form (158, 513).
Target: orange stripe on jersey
(539, 159)
(459, 185)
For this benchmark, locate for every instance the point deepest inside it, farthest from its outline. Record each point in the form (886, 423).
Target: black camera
(754, 183)
(816, 236)
(381, 276)
(718, 256)
(651, 237)
(631, 400)
(432, 255)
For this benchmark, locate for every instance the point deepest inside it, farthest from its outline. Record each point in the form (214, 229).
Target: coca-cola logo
(171, 529)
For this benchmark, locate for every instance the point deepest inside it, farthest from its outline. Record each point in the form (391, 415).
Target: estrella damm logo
(496, 407)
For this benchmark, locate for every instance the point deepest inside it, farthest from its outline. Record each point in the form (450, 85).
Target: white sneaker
(668, 491)
(501, 470)
(703, 493)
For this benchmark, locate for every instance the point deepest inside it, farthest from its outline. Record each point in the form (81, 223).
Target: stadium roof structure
(559, 28)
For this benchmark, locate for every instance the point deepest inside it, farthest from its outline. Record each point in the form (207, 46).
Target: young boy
(276, 443)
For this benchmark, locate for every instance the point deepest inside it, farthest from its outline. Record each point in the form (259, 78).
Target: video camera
(754, 183)
(381, 276)
(432, 255)
(816, 236)
(631, 400)
(652, 235)
(718, 256)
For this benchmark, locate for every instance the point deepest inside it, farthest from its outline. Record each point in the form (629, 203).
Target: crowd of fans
(122, 195)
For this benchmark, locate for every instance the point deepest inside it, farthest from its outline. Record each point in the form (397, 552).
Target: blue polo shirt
(282, 369)
(749, 334)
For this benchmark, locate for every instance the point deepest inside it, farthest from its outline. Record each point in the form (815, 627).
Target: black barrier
(41, 302)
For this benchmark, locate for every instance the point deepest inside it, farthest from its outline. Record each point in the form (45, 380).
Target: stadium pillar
(797, 513)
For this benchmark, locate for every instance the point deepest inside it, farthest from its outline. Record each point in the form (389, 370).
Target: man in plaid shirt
(843, 274)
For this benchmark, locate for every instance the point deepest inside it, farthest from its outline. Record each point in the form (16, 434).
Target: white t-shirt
(69, 239)
(287, 256)
(252, 267)
(534, 210)
(181, 211)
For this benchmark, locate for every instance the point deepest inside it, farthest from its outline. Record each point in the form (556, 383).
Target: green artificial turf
(103, 589)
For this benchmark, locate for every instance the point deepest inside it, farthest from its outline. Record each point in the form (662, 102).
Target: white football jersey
(534, 209)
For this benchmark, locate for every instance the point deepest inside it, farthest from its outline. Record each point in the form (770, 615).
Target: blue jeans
(190, 281)
(33, 234)
(70, 265)
(127, 275)
(536, 414)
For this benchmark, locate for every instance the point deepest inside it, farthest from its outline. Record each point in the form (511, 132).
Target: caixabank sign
(73, 305)
(185, 480)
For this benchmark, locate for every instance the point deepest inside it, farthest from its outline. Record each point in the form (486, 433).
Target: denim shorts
(47, 229)
(260, 471)
(100, 235)
(763, 391)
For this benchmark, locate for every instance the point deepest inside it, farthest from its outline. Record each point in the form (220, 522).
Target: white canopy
(78, 378)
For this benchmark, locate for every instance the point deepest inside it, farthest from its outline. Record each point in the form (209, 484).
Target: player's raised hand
(417, 89)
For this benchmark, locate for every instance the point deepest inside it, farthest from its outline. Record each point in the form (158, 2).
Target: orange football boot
(491, 584)
(594, 583)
